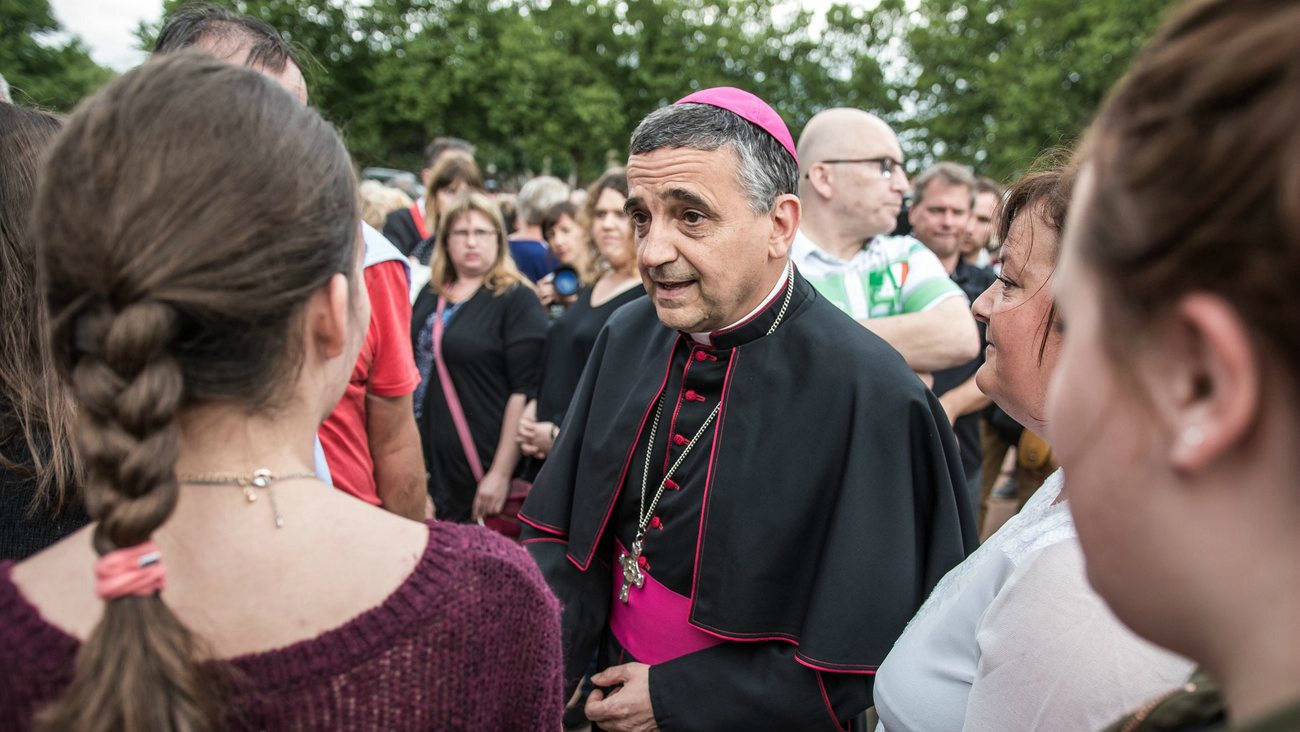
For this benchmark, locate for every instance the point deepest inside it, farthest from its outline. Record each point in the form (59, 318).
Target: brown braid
(189, 212)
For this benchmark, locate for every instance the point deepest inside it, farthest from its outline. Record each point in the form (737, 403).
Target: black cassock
(806, 526)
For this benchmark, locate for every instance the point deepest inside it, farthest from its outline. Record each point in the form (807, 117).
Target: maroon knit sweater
(470, 641)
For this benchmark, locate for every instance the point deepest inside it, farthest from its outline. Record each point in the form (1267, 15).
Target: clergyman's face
(702, 251)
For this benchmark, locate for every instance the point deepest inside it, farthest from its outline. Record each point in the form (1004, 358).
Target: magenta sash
(654, 624)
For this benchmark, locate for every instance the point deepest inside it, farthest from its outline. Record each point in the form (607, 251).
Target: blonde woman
(479, 323)
(379, 200)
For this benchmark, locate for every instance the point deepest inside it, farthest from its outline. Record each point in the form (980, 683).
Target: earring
(1193, 436)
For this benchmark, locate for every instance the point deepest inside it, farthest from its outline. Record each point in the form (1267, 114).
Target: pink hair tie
(134, 570)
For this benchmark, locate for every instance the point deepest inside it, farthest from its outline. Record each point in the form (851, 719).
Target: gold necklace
(262, 478)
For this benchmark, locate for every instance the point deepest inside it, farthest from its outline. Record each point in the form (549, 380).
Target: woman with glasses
(478, 330)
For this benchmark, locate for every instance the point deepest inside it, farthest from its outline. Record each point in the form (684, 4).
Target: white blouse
(1014, 638)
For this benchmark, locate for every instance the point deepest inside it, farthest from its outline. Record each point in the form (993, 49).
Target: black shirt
(401, 230)
(568, 345)
(973, 281)
(24, 532)
(492, 346)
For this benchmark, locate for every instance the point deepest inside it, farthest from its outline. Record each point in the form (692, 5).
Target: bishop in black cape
(805, 527)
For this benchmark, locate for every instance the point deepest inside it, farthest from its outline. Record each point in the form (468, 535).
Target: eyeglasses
(887, 165)
(467, 234)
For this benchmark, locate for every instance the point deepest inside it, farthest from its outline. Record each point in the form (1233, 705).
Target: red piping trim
(708, 475)
(834, 668)
(748, 637)
(803, 660)
(541, 526)
(609, 510)
(830, 709)
(545, 539)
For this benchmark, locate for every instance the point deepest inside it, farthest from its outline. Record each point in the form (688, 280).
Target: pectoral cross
(632, 575)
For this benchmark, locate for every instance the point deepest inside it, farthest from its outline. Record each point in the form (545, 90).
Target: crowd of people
(712, 444)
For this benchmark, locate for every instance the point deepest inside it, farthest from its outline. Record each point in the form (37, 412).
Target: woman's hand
(546, 290)
(527, 433)
(544, 434)
(491, 495)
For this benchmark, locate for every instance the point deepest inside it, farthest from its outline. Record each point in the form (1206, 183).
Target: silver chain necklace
(631, 563)
(262, 479)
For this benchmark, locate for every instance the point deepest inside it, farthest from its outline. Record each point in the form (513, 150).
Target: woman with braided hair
(200, 251)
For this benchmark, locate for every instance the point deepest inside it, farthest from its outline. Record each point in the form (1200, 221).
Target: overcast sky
(107, 27)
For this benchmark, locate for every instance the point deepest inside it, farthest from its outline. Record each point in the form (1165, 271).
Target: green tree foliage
(551, 85)
(995, 82)
(41, 72)
(557, 85)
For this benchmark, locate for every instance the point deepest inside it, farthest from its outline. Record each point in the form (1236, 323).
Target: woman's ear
(327, 318)
(1210, 375)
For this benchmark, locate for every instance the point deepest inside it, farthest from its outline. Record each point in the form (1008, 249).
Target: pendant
(632, 575)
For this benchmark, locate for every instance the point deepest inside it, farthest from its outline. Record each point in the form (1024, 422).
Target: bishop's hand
(626, 708)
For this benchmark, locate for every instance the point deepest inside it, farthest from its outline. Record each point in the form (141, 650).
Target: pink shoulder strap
(449, 392)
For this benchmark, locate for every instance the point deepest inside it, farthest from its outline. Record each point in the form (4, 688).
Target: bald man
(852, 190)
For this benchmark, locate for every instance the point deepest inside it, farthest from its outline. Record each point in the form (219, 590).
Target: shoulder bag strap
(449, 392)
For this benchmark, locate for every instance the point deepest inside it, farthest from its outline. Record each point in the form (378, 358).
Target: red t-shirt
(385, 367)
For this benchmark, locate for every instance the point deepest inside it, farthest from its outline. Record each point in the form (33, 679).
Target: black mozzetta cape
(809, 522)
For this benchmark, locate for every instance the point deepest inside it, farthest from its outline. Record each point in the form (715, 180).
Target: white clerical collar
(705, 339)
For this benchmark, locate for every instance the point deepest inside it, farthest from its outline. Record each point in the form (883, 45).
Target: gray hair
(953, 174)
(538, 196)
(765, 168)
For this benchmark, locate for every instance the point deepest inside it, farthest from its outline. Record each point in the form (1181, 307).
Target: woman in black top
(39, 501)
(494, 330)
(572, 337)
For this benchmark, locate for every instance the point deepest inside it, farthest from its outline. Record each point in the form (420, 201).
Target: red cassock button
(671, 485)
(679, 440)
(645, 563)
(690, 395)
(655, 523)
(701, 355)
